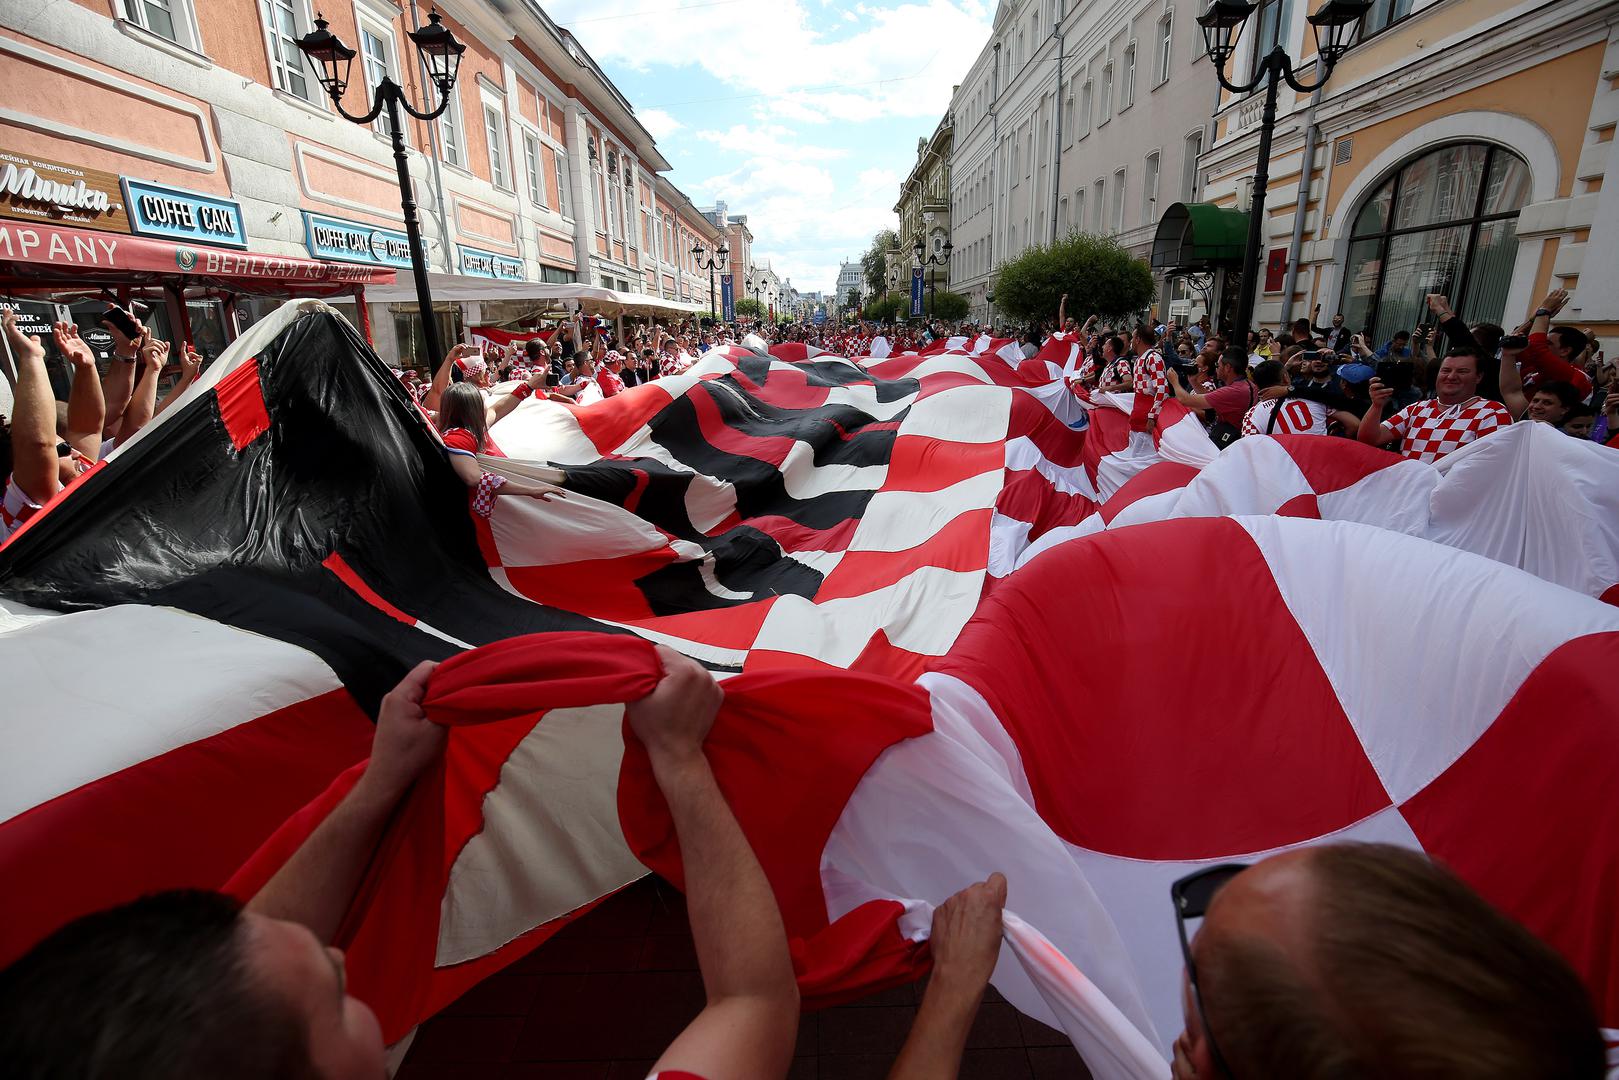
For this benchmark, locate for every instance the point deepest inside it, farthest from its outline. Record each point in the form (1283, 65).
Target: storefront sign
(355, 241)
(52, 193)
(476, 263)
(728, 297)
(76, 252)
(183, 215)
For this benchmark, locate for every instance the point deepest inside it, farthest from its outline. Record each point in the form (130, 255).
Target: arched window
(1446, 222)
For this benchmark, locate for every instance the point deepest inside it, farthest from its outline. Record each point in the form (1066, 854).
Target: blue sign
(174, 214)
(819, 318)
(916, 291)
(478, 263)
(728, 297)
(355, 241)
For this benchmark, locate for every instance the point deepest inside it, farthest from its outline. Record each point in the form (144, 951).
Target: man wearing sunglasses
(1369, 960)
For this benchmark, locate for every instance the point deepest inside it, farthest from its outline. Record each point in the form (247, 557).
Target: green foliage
(874, 262)
(1098, 275)
(949, 306)
(887, 308)
(749, 308)
(852, 300)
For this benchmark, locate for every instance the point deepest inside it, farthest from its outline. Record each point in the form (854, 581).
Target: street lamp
(1334, 25)
(440, 52)
(711, 264)
(931, 260)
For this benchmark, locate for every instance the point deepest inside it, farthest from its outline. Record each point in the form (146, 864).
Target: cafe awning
(51, 256)
(1199, 236)
(592, 299)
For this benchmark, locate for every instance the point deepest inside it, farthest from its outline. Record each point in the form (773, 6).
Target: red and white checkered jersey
(609, 383)
(15, 509)
(1296, 416)
(1149, 379)
(1429, 430)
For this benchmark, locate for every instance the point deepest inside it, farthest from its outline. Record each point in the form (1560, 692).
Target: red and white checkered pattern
(1428, 430)
(1294, 416)
(1149, 379)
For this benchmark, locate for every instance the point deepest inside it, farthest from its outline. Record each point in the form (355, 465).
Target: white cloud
(658, 122)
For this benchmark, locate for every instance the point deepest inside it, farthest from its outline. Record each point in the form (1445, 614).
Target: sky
(801, 114)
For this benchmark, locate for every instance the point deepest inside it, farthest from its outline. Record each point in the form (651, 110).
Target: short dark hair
(1471, 351)
(1412, 973)
(1569, 337)
(1145, 335)
(1268, 373)
(1564, 392)
(1399, 334)
(533, 346)
(156, 988)
(1238, 359)
(1488, 335)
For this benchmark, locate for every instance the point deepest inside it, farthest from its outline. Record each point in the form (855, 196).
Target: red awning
(42, 256)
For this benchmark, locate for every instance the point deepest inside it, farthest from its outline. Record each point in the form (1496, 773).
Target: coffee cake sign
(51, 192)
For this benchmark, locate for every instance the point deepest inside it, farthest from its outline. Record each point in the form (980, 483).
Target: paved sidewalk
(601, 1000)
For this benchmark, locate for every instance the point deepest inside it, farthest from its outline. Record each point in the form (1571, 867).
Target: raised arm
(1183, 395)
(86, 408)
(505, 403)
(316, 885)
(1372, 430)
(143, 399)
(190, 368)
(747, 1029)
(1062, 311)
(1512, 395)
(34, 467)
(119, 382)
(441, 377)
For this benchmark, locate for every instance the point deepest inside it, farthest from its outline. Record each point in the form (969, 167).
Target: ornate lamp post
(1335, 25)
(711, 264)
(440, 52)
(932, 260)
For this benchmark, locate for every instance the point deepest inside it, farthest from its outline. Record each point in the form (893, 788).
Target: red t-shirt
(460, 441)
(1231, 403)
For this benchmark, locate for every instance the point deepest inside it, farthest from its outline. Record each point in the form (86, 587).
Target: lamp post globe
(331, 61)
(1335, 24)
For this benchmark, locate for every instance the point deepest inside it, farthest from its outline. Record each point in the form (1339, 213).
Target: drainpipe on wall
(432, 140)
(1056, 136)
(1306, 174)
(994, 173)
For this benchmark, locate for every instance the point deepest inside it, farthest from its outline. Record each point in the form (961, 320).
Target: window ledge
(293, 99)
(462, 170)
(387, 140)
(139, 33)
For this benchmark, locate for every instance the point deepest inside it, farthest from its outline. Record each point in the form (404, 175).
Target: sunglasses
(1192, 896)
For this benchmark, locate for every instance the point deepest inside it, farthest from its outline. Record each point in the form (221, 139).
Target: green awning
(1199, 236)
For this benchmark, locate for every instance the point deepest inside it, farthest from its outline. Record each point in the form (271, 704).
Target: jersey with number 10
(1296, 416)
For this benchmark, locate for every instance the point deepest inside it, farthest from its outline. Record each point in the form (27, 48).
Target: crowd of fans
(1342, 960)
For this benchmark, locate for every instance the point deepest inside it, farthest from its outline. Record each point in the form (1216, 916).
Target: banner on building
(916, 291)
(60, 193)
(728, 297)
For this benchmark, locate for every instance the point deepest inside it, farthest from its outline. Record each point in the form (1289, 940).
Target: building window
(1275, 17)
(1194, 150)
(170, 19)
(1118, 202)
(1086, 93)
(531, 169)
(1446, 222)
(1068, 115)
(564, 193)
(1107, 93)
(494, 128)
(614, 221)
(449, 131)
(1149, 190)
(376, 53)
(1079, 209)
(1062, 215)
(285, 22)
(1127, 92)
(1166, 42)
(1383, 14)
(1100, 201)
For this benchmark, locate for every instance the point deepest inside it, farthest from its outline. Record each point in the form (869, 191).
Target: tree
(949, 306)
(874, 262)
(852, 300)
(1098, 275)
(749, 308)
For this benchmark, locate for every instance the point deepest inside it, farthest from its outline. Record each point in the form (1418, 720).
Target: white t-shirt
(1298, 416)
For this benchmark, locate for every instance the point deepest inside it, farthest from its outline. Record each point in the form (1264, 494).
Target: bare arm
(119, 382)
(441, 377)
(471, 474)
(1062, 311)
(507, 402)
(316, 885)
(1372, 431)
(190, 368)
(86, 409)
(966, 941)
(1512, 395)
(747, 1029)
(1184, 396)
(143, 399)
(33, 417)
